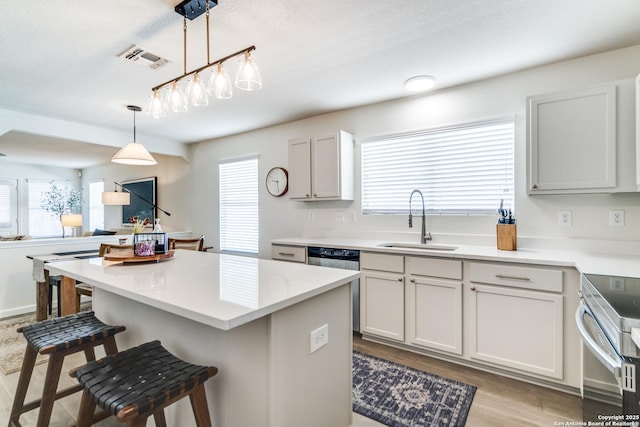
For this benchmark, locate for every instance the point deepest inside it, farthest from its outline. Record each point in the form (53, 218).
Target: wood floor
(498, 401)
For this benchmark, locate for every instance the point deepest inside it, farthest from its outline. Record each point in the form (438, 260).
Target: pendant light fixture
(176, 98)
(133, 153)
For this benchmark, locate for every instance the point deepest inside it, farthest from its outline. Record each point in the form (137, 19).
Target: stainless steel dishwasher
(347, 259)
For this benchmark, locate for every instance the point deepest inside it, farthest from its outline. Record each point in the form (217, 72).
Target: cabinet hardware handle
(473, 288)
(307, 195)
(399, 279)
(412, 280)
(315, 194)
(285, 254)
(502, 276)
(534, 186)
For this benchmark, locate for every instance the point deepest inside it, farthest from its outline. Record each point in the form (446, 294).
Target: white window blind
(239, 221)
(8, 205)
(463, 169)
(41, 222)
(96, 208)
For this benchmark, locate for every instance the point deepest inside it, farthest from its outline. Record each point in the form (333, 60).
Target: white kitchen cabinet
(289, 253)
(382, 296)
(322, 168)
(571, 140)
(434, 304)
(517, 328)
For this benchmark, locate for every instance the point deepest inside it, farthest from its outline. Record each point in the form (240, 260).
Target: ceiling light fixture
(419, 83)
(196, 93)
(132, 153)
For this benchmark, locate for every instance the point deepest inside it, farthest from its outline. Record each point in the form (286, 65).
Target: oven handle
(610, 363)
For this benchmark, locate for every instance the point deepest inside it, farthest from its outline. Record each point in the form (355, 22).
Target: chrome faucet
(424, 236)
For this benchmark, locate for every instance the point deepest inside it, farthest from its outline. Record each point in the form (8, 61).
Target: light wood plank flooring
(498, 401)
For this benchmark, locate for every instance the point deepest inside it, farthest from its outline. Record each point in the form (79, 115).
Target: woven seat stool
(58, 338)
(139, 382)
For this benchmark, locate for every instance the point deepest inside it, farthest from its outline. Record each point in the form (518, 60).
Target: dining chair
(190, 244)
(87, 290)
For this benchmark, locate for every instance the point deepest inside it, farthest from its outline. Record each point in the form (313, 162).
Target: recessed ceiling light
(419, 83)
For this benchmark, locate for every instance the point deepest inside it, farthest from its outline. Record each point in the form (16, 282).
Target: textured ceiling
(59, 59)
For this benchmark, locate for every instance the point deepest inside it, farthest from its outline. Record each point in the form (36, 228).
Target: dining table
(67, 286)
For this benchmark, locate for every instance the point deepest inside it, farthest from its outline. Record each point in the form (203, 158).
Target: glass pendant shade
(134, 154)
(197, 92)
(116, 198)
(155, 106)
(219, 84)
(175, 99)
(248, 75)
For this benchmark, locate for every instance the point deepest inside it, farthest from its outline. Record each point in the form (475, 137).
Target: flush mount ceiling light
(196, 92)
(419, 83)
(132, 153)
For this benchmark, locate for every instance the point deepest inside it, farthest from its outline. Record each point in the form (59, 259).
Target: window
(463, 169)
(239, 224)
(96, 208)
(41, 222)
(8, 206)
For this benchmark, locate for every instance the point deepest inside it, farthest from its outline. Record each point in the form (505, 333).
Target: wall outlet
(616, 218)
(564, 218)
(339, 216)
(319, 338)
(352, 217)
(311, 216)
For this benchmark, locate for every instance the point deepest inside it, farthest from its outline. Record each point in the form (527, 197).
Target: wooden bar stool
(141, 381)
(58, 338)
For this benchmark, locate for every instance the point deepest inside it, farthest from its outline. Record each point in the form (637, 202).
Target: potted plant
(61, 200)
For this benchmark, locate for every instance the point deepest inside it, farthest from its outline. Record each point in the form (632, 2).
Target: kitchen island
(251, 318)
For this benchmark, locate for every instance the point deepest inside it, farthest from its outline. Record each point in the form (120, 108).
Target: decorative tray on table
(128, 256)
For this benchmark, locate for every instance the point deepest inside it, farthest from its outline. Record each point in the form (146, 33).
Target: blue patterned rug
(399, 396)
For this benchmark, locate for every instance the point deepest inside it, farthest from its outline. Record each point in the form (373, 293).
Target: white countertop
(587, 263)
(223, 291)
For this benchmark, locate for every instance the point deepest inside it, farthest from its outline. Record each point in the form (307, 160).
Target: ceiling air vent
(140, 56)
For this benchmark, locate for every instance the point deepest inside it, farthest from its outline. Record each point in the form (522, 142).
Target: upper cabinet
(322, 168)
(582, 141)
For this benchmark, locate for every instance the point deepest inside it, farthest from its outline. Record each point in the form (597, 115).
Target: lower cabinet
(516, 317)
(517, 329)
(382, 305)
(434, 304)
(434, 313)
(509, 316)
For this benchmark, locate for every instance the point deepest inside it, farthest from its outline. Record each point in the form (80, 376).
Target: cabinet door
(517, 329)
(434, 310)
(325, 168)
(300, 168)
(563, 126)
(382, 305)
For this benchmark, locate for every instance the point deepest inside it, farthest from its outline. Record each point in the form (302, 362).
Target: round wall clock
(277, 181)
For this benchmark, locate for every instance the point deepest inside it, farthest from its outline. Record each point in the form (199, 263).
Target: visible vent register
(140, 56)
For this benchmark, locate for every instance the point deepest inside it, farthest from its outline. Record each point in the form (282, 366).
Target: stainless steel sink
(426, 247)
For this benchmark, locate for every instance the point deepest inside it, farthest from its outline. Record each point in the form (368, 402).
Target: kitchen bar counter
(587, 263)
(251, 318)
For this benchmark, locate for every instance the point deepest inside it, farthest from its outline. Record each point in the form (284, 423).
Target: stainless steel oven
(609, 309)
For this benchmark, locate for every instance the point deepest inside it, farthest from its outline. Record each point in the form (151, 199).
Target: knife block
(507, 237)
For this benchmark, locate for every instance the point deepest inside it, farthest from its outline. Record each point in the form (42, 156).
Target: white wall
(506, 95)
(174, 193)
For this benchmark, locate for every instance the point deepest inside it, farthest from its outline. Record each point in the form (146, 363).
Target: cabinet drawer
(433, 267)
(382, 262)
(518, 277)
(289, 253)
